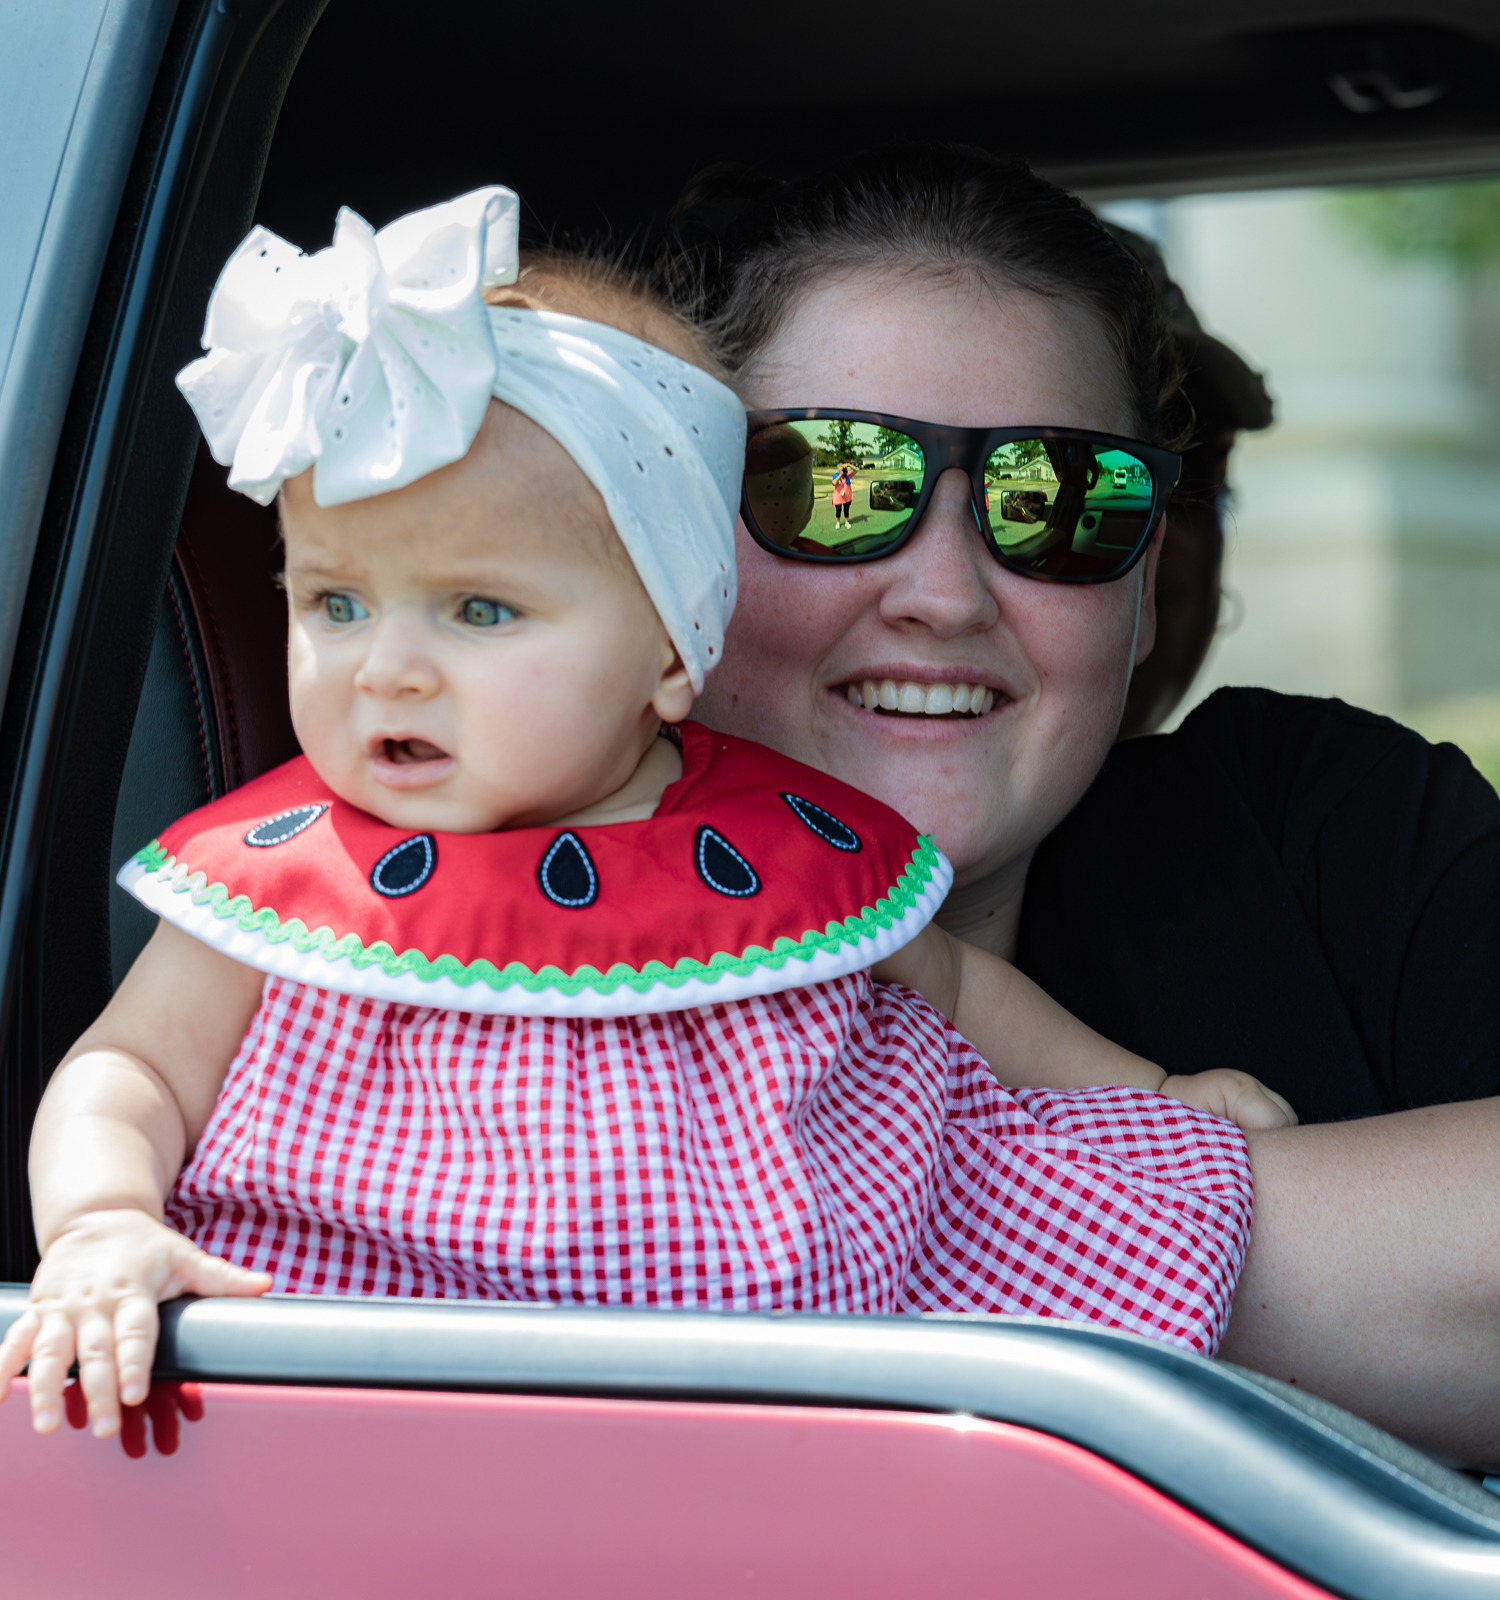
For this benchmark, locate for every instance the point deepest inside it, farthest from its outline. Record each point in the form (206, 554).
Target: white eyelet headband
(373, 363)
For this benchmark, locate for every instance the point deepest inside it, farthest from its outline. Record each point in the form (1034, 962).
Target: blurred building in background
(1363, 554)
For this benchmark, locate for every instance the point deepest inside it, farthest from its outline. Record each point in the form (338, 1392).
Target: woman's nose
(941, 579)
(397, 663)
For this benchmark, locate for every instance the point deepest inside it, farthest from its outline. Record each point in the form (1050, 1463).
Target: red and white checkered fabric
(835, 1148)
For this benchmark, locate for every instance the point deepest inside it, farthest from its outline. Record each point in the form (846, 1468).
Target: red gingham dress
(832, 1148)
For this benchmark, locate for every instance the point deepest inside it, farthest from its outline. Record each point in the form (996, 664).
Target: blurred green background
(1362, 553)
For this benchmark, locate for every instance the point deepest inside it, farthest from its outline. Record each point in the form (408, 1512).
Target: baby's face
(473, 651)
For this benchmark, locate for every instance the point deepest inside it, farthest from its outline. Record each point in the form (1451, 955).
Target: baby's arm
(1029, 1040)
(115, 1125)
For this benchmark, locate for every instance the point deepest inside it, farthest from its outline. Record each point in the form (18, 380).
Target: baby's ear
(673, 699)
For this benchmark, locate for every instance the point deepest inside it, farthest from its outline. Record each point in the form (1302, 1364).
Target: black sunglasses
(1060, 504)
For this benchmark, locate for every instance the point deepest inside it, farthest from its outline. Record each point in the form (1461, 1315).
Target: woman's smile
(892, 696)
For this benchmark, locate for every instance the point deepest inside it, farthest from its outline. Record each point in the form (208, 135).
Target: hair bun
(715, 198)
(720, 209)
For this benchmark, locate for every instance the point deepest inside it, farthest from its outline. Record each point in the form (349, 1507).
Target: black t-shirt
(1293, 887)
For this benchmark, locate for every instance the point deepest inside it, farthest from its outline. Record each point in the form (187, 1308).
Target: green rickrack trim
(895, 905)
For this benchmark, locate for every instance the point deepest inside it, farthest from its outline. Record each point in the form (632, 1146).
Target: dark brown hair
(743, 249)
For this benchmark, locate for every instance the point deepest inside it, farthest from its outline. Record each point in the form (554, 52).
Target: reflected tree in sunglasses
(1060, 504)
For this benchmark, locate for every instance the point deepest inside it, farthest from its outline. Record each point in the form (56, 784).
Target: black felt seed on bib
(283, 826)
(823, 823)
(566, 873)
(721, 866)
(406, 868)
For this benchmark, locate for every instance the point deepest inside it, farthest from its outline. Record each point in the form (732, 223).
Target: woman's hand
(94, 1299)
(1235, 1096)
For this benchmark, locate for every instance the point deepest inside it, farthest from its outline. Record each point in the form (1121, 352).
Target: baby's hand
(95, 1297)
(1235, 1096)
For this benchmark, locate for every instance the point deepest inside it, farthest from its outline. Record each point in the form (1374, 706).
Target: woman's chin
(931, 776)
(987, 788)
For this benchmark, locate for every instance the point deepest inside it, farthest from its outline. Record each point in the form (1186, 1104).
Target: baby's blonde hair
(605, 291)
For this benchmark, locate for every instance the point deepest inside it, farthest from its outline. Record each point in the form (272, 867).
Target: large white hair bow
(371, 360)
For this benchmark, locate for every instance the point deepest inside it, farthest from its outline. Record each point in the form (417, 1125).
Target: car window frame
(107, 526)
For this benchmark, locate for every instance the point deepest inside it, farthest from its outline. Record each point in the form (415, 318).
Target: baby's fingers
(15, 1349)
(97, 1373)
(1284, 1106)
(1260, 1110)
(136, 1327)
(51, 1356)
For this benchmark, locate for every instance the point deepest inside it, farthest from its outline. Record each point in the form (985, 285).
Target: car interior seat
(213, 711)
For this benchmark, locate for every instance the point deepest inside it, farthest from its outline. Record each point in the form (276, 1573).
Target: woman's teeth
(921, 699)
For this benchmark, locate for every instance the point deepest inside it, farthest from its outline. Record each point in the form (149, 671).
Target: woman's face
(943, 610)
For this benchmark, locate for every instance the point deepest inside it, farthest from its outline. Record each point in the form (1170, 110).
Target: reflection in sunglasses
(1058, 504)
(893, 494)
(821, 488)
(779, 481)
(1094, 503)
(1023, 505)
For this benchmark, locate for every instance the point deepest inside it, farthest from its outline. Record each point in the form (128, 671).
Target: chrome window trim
(1314, 1488)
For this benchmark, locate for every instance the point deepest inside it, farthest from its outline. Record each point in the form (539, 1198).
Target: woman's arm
(121, 1113)
(1373, 1277)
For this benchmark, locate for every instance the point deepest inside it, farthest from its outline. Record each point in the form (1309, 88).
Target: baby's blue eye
(343, 608)
(484, 613)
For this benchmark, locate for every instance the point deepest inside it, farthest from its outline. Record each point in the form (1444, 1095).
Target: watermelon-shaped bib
(756, 874)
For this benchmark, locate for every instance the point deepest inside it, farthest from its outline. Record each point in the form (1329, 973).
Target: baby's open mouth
(410, 752)
(910, 699)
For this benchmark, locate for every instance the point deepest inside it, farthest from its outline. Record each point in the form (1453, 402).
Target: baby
(517, 984)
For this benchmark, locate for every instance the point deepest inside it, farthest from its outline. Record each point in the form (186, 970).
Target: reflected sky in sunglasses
(831, 487)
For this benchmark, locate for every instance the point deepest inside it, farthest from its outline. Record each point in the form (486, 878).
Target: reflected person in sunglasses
(1292, 887)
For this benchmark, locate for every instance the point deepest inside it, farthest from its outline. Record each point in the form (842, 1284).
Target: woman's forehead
(952, 350)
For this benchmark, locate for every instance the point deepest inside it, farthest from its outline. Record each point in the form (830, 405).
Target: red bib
(756, 874)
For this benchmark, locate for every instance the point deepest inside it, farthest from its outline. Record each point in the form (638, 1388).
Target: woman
(1289, 886)
(843, 493)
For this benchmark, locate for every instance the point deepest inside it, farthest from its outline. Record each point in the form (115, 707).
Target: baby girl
(519, 985)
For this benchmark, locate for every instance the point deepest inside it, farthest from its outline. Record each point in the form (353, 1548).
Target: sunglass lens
(833, 488)
(1064, 508)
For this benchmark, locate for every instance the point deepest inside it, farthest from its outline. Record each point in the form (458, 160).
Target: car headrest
(230, 558)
